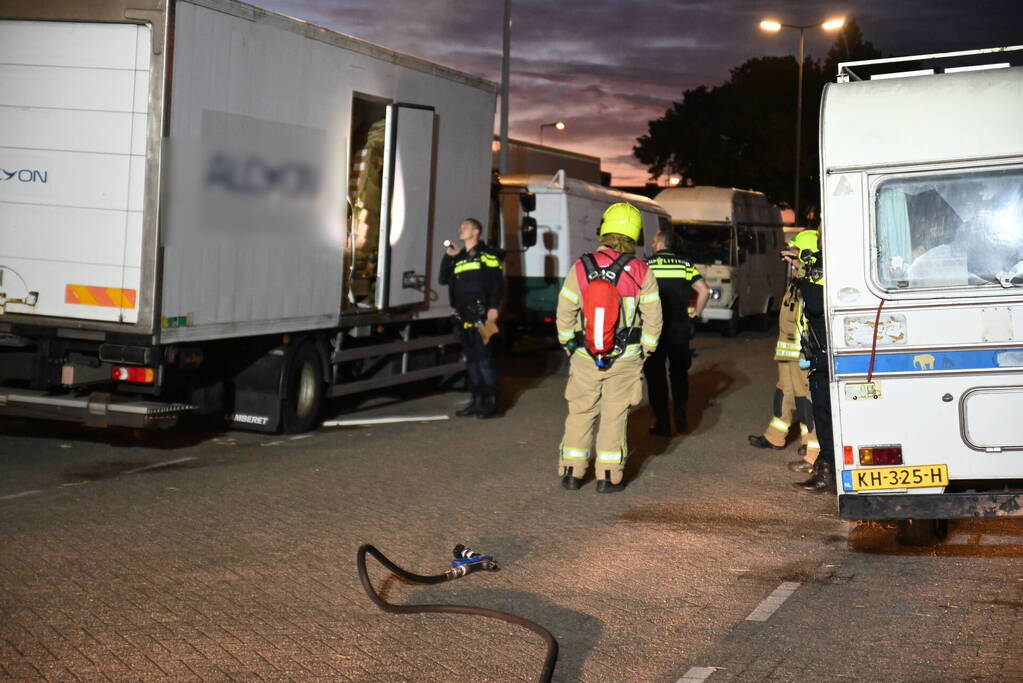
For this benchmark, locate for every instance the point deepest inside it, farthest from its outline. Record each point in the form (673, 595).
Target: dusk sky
(607, 67)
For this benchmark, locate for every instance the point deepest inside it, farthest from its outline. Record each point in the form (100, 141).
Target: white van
(922, 188)
(733, 237)
(567, 214)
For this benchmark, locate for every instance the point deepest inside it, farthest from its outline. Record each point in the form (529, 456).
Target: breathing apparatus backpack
(602, 304)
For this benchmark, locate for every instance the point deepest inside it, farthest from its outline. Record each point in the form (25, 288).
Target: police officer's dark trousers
(820, 396)
(480, 368)
(673, 350)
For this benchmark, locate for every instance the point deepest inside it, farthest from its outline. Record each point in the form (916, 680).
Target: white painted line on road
(158, 465)
(697, 673)
(299, 436)
(12, 496)
(999, 539)
(773, 601)
(355, 422)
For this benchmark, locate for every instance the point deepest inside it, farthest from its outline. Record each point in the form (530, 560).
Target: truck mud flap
(931, 505)
(94, 410)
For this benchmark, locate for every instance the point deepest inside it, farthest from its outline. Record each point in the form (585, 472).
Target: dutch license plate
(914, 477)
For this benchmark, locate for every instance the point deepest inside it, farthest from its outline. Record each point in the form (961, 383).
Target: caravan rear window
(952, 230)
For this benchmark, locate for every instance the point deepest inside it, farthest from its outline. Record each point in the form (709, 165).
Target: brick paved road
(237, 562)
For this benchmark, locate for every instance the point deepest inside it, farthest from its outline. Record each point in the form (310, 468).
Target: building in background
(526, 157)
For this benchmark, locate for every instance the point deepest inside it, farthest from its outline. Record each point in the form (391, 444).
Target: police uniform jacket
(474, 278)
(811, 288)
(675, 277)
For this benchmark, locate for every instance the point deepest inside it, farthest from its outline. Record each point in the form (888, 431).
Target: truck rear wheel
(922, 532)
(304, 391)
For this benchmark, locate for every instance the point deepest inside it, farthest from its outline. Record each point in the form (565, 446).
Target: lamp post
(557, 125)
(772, 26)
(502, 155)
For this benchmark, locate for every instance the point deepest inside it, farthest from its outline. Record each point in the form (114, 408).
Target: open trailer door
(407, 208)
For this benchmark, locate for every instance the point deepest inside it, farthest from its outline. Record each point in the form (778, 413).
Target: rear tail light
(127, 373)
(881, 455)
(847, 456)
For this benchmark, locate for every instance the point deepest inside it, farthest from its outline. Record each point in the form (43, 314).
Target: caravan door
(406, 213)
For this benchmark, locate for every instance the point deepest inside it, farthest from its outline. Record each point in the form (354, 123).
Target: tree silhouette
(741, 133)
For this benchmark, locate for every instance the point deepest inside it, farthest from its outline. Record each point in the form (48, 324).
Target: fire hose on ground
(466, 561)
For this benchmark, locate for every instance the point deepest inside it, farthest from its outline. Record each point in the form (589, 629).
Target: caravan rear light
(125, 373)
(881, 455)
(847, 456)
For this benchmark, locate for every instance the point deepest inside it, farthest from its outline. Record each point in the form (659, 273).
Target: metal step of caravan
(94, 410)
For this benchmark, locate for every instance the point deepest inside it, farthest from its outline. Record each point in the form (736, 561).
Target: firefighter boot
(568, 478)
(609, 481)
(822, 481)
(473, 408)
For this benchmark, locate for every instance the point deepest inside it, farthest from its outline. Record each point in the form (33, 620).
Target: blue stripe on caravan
(933, 361)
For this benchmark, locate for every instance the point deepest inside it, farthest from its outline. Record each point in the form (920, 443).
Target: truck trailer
(206, 207)
(567, 213)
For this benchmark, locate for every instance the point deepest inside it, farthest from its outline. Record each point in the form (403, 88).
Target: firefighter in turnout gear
(677, 279)
(792, 394)
(806, 247)
(475, 283)
(606, 378)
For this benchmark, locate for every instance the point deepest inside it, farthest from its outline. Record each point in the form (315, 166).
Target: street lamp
(772, 26)
(557, 125)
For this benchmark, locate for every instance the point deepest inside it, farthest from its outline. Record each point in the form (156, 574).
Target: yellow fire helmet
(806, 239)
(624, 219)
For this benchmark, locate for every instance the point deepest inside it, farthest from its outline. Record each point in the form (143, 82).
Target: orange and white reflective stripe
(89, 295)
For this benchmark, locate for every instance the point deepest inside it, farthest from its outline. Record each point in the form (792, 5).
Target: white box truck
(733, 237)
(922, 187)
(567, 214)
(209, 207)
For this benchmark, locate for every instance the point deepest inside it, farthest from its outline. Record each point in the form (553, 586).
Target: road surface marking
(158, 465)
(299, 436)
(697, 673)
(773, 601)
(20, 495)
(355, 422)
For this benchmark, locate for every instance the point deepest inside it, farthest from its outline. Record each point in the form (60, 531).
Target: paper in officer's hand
(487, 330)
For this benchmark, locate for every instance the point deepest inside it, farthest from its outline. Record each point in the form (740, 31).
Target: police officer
(475, 283)
(806, 247)
(677, 278)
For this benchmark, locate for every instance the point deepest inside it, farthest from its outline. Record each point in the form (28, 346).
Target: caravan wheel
(922, 532)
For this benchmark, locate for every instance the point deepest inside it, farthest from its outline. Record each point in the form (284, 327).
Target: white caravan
(922, 184)
(210, 207)
(567, 214)
(733, 236)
